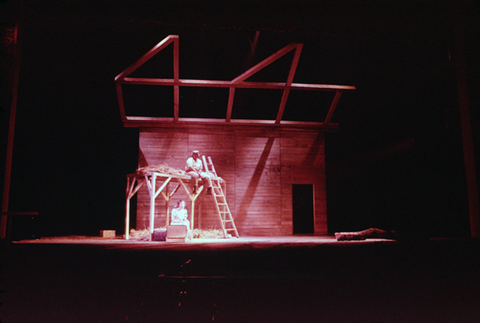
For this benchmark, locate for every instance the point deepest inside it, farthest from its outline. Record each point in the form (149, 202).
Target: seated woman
(179, 215)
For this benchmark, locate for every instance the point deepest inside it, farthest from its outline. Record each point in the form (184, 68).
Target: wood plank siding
(258, 165)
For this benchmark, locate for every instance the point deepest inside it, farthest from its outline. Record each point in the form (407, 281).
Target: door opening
(303, 210)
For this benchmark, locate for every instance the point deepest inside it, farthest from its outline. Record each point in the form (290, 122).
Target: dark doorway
(302, 205)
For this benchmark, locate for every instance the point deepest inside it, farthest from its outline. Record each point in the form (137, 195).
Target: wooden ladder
(226, 219)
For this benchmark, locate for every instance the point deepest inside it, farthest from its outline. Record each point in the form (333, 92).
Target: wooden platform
(151, 179)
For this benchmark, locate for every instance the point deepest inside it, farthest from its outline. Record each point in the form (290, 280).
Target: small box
(177, 233)
(107, 233)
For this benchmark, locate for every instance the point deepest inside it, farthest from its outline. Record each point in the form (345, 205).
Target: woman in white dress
(179, 214)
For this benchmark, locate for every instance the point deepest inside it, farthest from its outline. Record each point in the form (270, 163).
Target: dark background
(397, 160)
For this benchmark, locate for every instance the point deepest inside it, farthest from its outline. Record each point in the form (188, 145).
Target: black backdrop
(397, 160)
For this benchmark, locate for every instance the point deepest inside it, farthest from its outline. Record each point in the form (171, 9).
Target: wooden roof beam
(229, 84)
(291, 74)
(267, 61)
(152, 52)
(169, 122)
(238, 82)
(333, 106)
(231, 95)
(251, 71)
(121, 103)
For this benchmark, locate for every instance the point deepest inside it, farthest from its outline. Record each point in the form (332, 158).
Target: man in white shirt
(194, 168)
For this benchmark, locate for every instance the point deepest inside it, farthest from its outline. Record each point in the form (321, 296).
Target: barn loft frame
(288, 132)
(238, 82)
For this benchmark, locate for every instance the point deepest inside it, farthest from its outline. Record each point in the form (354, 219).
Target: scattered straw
(208, 234)
(141, 235)
(162, 168)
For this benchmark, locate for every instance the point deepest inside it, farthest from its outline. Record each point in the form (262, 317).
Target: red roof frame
(238, 82)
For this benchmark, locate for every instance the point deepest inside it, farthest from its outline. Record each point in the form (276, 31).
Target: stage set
(260, 163)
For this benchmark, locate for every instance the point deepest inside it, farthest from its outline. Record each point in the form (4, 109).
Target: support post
(193, 215)
(11, 133)
(464, 107)
(167, 204)
(130, 183)
(133, 185)
(176, 88)
(153, 180)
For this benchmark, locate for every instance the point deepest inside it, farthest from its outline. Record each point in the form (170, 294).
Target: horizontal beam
(229, 84)
(182, 122)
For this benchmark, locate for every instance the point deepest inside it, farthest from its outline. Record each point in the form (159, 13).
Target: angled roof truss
(238, 82)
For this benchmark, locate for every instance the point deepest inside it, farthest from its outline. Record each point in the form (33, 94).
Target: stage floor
(241, 242)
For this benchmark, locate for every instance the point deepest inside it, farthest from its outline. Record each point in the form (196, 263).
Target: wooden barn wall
(258, 165)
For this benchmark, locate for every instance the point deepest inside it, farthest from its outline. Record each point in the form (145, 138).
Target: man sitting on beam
(194, 168)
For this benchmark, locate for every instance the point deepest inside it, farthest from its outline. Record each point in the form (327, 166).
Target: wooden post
(127, 206)
(121, 102)
(464, 106)
(333, 106)
(132, 180)
(176, 88)
(193, 213)
(151, 187)
(167, 204)
(231, 95)
(200, 212)
(11, 133)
